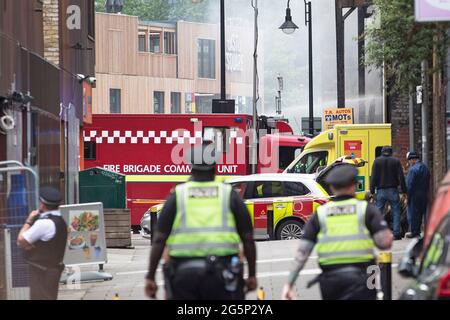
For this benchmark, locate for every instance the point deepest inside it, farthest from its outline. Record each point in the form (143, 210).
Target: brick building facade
(51, 30)
(398, 115)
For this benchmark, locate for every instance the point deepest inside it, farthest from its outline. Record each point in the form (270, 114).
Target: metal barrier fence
(18, 196)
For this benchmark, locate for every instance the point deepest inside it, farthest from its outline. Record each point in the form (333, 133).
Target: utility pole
(425, 112)
(340, 40)
(254, 150)
(289, 27)
(439, 158)
(361, 66)
(411, 117)
(308, 21)
(340, 58)
(223, 85)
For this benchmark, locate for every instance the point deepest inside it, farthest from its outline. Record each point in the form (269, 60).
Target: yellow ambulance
(356, 140)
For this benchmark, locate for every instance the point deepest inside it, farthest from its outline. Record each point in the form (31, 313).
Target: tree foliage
(400, 43)
(163, 10)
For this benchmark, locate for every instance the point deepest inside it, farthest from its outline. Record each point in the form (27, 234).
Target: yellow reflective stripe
(385, 257)
(190, 230)
(344, 245)
(329, 239)
(168, 178)
(347, 253)
(156, 178)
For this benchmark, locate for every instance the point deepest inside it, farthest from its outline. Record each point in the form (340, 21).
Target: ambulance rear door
(355, 143)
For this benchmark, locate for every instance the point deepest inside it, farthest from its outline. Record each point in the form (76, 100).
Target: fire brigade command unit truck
(148, 149)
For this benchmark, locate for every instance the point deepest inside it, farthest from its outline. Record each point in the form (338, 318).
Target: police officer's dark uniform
(44, 237)
(203, 223)
(345, 232)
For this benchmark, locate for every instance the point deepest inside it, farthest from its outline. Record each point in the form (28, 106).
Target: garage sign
(333, 116)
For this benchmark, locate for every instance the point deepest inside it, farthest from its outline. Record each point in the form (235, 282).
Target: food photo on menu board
(84, 232)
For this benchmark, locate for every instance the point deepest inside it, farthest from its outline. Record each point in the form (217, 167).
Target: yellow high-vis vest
(204, 224)
(344, 237)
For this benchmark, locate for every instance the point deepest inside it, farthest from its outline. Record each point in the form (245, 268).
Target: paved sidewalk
(128, 267)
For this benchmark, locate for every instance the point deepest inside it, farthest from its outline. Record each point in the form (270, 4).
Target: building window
(142, 43)
(170, 43)
(189, 103)
(155, 42)
(206, 59)
(90, 150)
(114, 100)
(158, 102)
(175, 102)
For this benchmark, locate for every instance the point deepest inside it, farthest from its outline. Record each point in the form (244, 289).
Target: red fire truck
(148, 150)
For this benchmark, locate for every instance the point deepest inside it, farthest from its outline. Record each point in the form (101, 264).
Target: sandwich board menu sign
(86, 243)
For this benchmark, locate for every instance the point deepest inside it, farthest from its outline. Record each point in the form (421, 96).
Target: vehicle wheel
(290, 230)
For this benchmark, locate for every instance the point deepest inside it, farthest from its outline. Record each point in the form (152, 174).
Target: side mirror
(408, 267)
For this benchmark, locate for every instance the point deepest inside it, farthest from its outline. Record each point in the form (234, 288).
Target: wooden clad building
(161, 67)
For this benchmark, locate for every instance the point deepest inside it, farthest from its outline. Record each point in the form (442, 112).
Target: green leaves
(161, 10)
(401, 43)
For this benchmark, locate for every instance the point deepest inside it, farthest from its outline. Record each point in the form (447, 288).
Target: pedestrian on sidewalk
(345, 232)
(387, 178)
(203, 223)
(44, 237)
(418, 186)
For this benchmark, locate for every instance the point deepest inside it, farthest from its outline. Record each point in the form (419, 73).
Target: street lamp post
(223, 85)
(289, 27)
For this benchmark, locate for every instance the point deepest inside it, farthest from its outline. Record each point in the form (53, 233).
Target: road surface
(128, 267)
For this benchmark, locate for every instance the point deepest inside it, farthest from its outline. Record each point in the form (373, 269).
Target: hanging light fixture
(288, 27)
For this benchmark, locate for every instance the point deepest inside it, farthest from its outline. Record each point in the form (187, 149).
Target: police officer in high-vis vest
(345, 232)
(43, 238)
(202, 225)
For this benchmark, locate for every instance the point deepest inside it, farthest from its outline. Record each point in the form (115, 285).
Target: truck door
(356, 144)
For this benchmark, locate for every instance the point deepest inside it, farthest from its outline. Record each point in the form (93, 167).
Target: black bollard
(385, 265)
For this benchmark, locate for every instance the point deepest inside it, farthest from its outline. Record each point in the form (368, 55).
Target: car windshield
(287, 155)
(310, 162)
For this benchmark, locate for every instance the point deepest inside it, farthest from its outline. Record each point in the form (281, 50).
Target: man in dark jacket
(418, 184)
(387, 177)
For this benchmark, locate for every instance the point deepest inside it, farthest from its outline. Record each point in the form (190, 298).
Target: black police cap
(50, 196)
(342, 176)
(387, 150)
(412, 155)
